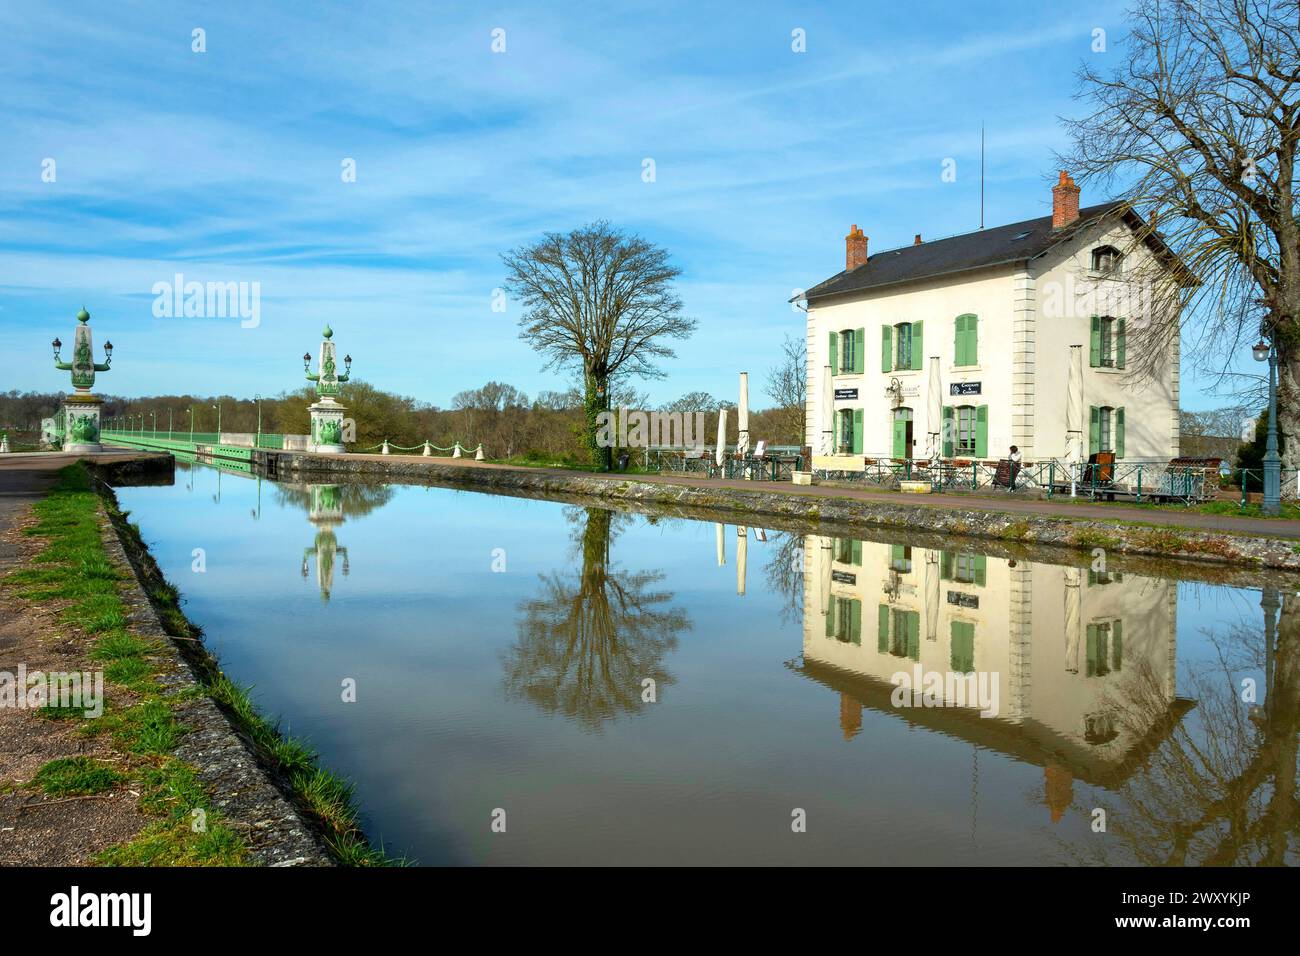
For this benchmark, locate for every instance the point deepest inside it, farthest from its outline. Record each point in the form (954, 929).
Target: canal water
(637, 689)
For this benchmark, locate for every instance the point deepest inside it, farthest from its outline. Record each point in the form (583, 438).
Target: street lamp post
(218, 408)
(191, 424)
(169, 424)
(258, 399)
(153, 424)
(1267, 351)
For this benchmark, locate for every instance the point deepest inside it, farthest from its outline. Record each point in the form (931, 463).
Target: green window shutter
(967, 343)
(1094, 429)
(1117, 642)
(859, 356)
(855, 622)
(1092, 642)
(959, 341)
(982, 431)
(1119, 433)
(981, 568)
(857, 431)
(913, 635)
(1094, 343)
(962, 647)
(1121, 343)
(857, 553)
(882, 629)
(945, 565)
(918, 347)
(830, 619)
(834, 354)
(886, 349)
(948, 428)
(896, 552)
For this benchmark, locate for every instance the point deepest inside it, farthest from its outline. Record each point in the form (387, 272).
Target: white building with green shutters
(963, 346)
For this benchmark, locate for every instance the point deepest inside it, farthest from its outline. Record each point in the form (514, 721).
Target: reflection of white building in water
(1083, 662)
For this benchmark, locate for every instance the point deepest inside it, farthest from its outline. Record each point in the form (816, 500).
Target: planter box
(802, 477)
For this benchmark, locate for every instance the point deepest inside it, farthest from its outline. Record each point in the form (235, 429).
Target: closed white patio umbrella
(742, 417)
(722, 436)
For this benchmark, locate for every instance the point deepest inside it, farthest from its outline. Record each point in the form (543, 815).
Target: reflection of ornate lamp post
(81, 409)
(1267, 351)
(1270, 603)
(327, 414)
(326, 513)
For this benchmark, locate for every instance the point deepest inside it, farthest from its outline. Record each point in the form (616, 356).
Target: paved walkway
(1079, 509)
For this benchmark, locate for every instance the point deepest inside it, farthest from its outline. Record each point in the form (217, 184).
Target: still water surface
(502, 650)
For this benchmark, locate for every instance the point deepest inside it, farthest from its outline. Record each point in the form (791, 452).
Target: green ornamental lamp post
(81, 409)
(327, 414)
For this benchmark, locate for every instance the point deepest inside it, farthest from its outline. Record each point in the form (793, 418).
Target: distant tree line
(509, 424)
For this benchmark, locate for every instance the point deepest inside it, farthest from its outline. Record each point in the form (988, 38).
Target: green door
(900, 438)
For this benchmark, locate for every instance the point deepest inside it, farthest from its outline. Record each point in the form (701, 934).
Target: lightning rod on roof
(981, 174)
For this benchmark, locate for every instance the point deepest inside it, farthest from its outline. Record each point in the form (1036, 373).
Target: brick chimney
(855, 249)
(1065, 201)
(917, 240)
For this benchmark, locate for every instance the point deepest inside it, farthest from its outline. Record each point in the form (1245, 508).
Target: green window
(963, 647)
(849, 431)
(844, 620)
(966, 340)
(846, 351)
(966, 430)
(902, 347)
(848, 551)
(963, 567)
(900, 558)
(1106, 430)
(1105, 648)
(1108, 342)
(905, 634)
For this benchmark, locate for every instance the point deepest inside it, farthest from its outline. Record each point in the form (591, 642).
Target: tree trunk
(596, 400)
(1288, 407)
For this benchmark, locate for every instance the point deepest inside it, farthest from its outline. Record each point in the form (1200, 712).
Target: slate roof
(1001, 245)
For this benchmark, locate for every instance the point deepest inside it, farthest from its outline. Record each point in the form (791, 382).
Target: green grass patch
(76, 776)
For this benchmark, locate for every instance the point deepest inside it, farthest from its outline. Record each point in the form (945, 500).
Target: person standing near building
(1015, 465)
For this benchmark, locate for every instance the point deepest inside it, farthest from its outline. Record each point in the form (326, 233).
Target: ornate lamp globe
(1260, 351)
(57, 345)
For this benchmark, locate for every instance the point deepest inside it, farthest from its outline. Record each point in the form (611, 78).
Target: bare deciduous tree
(1199, 125)
(787, 386)
(600, 300)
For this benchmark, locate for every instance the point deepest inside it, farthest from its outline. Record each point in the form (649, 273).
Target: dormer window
(1106, 260)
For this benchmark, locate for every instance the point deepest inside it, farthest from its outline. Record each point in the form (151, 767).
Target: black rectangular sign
(964, 388)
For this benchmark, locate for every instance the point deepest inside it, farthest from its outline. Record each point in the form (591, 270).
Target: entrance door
(902, 433)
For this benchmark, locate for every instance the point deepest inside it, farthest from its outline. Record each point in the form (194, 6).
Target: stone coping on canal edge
(251, 802)
(1257, 543)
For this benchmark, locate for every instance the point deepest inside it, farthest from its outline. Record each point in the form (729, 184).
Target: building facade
(962, 347)
(1080, 664)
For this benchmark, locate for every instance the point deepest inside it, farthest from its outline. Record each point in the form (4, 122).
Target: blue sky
(226, 166)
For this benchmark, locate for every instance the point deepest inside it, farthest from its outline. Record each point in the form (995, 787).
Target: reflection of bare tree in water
(1224, 794)
(590, 638)
(784, 573)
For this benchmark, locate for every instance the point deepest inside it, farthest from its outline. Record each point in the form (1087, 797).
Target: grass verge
(325, 799)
